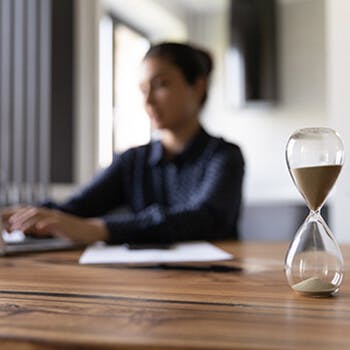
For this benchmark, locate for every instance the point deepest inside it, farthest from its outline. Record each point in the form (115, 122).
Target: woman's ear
(201, 86)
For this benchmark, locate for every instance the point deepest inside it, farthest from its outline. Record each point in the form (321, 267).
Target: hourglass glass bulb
(314, 263)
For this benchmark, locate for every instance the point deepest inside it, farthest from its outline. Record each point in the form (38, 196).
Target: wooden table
(48, 301)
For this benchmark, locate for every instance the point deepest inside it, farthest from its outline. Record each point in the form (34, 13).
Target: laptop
(17, 242)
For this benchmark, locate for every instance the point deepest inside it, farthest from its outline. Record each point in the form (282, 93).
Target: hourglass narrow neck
(315, 215)
(316, 212)
(315, 218)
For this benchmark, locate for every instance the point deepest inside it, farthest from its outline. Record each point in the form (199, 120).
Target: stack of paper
(182, 252)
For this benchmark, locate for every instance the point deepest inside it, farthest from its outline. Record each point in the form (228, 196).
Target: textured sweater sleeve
(104, 193)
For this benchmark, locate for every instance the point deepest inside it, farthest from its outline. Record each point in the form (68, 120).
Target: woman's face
(169, 100)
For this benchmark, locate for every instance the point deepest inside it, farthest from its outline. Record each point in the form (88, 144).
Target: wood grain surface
(49, 301)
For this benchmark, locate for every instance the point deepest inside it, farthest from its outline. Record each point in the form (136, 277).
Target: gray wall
(274, 221)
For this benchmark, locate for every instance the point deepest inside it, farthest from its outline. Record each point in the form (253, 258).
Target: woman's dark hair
(194, 63)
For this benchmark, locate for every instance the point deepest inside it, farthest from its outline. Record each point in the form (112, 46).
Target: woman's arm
(76, 218)
(43, 221)
(211, 213)
(104, 193)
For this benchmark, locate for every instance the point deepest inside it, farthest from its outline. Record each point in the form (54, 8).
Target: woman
(186, 186)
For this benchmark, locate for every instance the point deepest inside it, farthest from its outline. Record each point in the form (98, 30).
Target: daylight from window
(122, 121)
(105, 120)
(131, 124)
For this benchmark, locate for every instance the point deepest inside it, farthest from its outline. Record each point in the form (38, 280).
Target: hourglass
(314, 263)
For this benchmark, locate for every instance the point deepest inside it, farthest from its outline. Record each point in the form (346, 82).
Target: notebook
(17, 242)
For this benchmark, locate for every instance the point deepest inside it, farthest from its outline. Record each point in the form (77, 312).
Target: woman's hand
(5, 216)
(43, 221)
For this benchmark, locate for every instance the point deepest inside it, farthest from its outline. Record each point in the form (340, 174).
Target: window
(123, 122)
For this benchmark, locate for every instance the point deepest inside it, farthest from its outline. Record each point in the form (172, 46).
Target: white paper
(181, 252)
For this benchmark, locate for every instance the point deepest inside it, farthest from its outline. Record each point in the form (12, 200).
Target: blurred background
(69, 92)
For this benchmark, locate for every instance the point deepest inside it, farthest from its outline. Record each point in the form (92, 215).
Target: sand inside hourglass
(315, 286)
(315, 182)
(317, 273)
